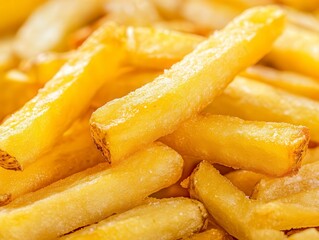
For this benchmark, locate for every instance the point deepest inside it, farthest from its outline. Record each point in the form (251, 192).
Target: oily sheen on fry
(124, 125)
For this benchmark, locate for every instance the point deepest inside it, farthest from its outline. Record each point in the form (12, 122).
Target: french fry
(309, 234)
(274, 148)
(208, 14)
(166, 219)
(247, 3)
(16, 89)
(90, 196)
(245, 180)
(252, 100)
(13, 13)
(292, 82)
(170, 9)
(211, 234)
(32, 130)
(302, 19)
(44, 66)
(306, 5)
(44, 31)
(297, 211)
(119, 127)
(271, 189)
(229, 206)
(75, 152)
(312, 155)
(294, 53)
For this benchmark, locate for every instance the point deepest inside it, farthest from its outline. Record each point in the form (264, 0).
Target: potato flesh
(274, 148)
(94, 194)
(119, 127)
(252, 100)
(165, 219)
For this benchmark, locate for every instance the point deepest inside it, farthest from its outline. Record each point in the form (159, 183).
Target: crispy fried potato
(119, 127)
(166, 219)
(245, 180)
(271, 189)
(90, 196)
(75, 152)
(309, 234)
(229, 206)
(13, 13)
(16, 89)
(36, 127)
(292, 82)
(252, 100)
(302, 19)
(44, 31)
(294, 53)
(211, 234)
(274, 148)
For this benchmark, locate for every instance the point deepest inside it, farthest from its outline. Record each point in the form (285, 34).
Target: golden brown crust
(5, 199)
(100, 142)
(9, 162)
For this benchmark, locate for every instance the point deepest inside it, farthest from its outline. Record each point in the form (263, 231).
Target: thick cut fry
(166, 219)
(35, 127)
(75, 152)
(271, 189)
(252, 100)
(16, 89)
(230, 207)
(245, 180)
(211, 234)
(119, 127)
(44, 31)
(90, 196)
(285, 216)
(13, 13)
(208, 14)
(309, 234)
(295, 53)
(302, 19)
(270, 148)
(289, 81)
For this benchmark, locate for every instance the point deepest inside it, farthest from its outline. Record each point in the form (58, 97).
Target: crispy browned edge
(100, 141)
(9, 162)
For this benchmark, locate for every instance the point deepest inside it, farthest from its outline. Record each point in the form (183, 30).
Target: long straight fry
(74, 152)
(270, 148)
(252, 100)
(35, 127)
(90, 196)
(119, 127)
(166, 219)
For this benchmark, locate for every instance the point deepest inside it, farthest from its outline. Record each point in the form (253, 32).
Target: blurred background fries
(159, 119)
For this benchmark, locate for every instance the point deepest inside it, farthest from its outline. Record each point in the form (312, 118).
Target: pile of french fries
(159, 119)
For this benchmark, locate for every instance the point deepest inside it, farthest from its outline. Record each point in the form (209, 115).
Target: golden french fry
(307, 5)
(166, 219)
(211, 234)
(302, 19)
(119, 127)
(245, 180)
(44, 31)
(296, 211)
(16, 89)
(309, 234)
(13, 13)
(74, 152)
(295, 53)
(44, 66)
(32, 130)
(90, 196)
(208, 14)
(229, 206)
(170, 9)
(292, 82)
(252, 100)
(271, 189)
(247, 3)
(274, 148)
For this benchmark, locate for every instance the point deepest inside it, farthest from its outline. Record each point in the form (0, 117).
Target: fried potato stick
(271, 148)
(166, 219)
(90, 196)
(119, 127)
